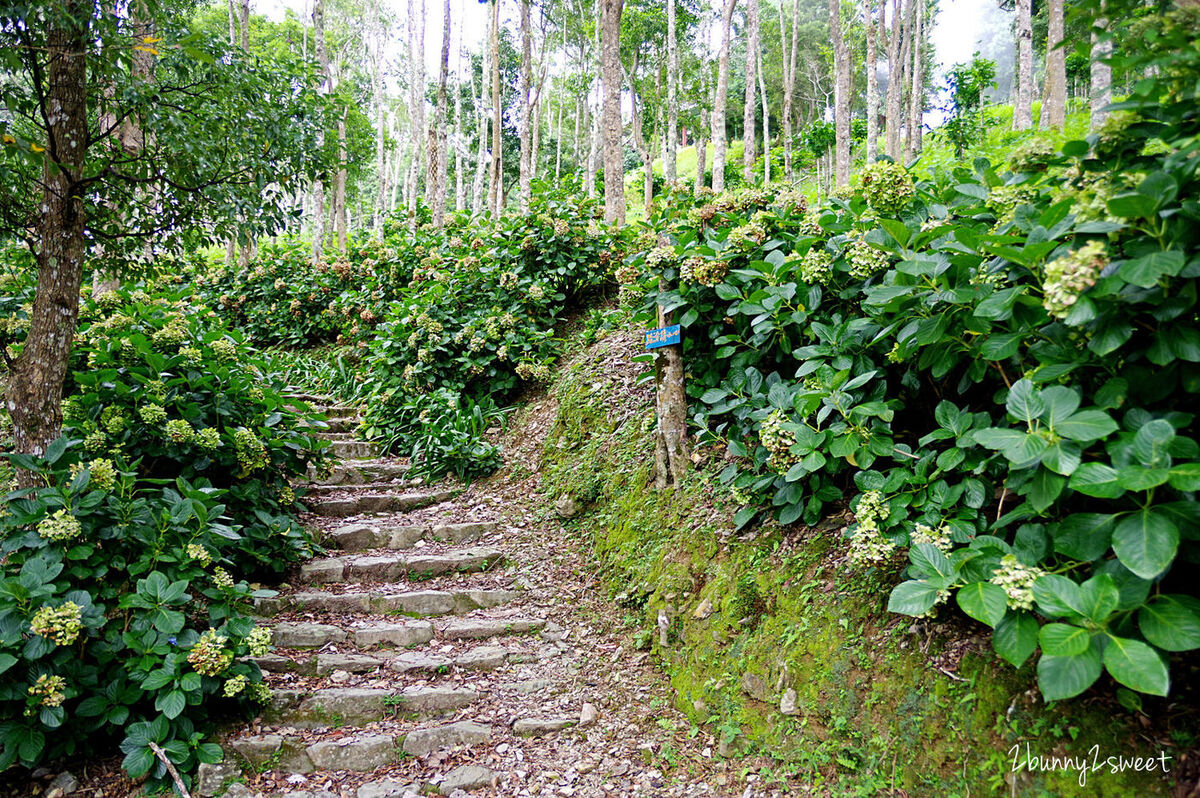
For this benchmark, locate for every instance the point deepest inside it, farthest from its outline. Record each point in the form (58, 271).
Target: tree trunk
(339, 186)
(916, 108)
(788, 56)
(872, 85)
(35, 386)
(1054, 109)
(610, 72)
(318, 17)
(245, 18)
(841, 96)
(1101, 88)
(523, 124)
(672, 452)
(495, 191)
(439, 150)
(233, 25)
(672, 99)
(1023, 102)
(718, 112)
(558, 144)
(766, 120)
(701, 152)
(380, 131)
(749, 108)
(906, 72)
(891, 123)
(481, 150)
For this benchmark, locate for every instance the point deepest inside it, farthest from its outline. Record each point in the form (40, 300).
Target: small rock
(388, 788)
(536, 727)
(339, 677)
(587, 715)
(466, 777)
(566, 507)
(703, 611)
(237, 790)
(212, 778)
(787, 704)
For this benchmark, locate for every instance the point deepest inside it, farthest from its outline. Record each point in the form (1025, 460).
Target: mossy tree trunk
(672, 453)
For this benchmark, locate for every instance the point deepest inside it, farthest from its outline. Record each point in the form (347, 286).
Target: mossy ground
(884, 703)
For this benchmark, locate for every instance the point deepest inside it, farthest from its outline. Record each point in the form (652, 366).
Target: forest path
(457, 641)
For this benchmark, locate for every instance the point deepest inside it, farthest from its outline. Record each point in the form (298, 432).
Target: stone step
(366, 487)
(484, 658)
(378, 503)
(333, 425)
(416, 603)
(538, 727)
(479, 628)
(347, 449)
(365, 537)
(403, 634)
(384, 567)
(351, 706)
(362, 472)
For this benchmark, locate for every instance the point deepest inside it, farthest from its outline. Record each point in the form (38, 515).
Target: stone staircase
(406, 648)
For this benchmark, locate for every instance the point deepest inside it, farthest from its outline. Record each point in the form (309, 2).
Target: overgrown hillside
(773, 641)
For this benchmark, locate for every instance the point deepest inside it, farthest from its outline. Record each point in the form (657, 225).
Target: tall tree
(872, 69)
(672, 100)
(916, 92)
(893, 100)
(496, 180)
(722, 96)
(481, 105)
(750, 108)
(1101, 78)
(789, 80)
(841, 95)
(318, 198)
(438, 148)
(610, 74)
(1054, 106)
(1023, 104)
(526, 99)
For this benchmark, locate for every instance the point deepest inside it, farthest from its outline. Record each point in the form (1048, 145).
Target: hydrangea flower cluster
(259, 640)
(222, 578)
(59, 526)
(209, 656)
(1017, 581)
(51, 690)
(887, 187)
(113, 420)
(537, 292)
(533, 372)
(867, 544)
(866, 260)
(792, 200)
(816, 266)
(61, 624)
(179, 431)
(251, 453)
(208, 439)
(225, 350)
(234, 685)
(509, 280)
(777, 441)
(810, 225)
(628, 275)
(1072, 274)
(938, 537)
(747, 236)
(1004, 201)
(561, 227)
(703, 271)
(152, 414)
(1034, 155)
(103, 474)
(199, 553)
(660, 257)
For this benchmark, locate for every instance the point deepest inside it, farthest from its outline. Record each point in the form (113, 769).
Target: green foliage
(164, 387)
(966, 84)
(478, 321)
(1001, 365)
(119, 617)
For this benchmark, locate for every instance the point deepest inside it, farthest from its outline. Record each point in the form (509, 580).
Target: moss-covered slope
(774, 643)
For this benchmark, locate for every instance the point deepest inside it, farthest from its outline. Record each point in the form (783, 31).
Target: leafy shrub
(996, 370)
(163, 386)
(119, 614)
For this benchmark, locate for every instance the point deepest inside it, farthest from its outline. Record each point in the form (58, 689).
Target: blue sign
(663, 336)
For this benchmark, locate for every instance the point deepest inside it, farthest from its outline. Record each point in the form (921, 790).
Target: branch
(162, 757)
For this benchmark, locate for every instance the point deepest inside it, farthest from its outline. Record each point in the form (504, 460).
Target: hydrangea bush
(996, 371)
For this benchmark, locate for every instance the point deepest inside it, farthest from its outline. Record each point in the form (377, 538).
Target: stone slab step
(405, 634)
(350, 706)
(479, 628)
(366, 537)
(380, 568)
(360, 473)
(484, 658)
(537, 727)
(417, 603)
(335, 424)
(358, 753)
(464, 733)
(378, 503)
(353, 450)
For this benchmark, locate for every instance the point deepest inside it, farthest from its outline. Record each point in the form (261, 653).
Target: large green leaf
(1147, 270)
(1063, 640)
(1086, 425)
(1066, 677)
(1084, 536)
(1145, 542)
(1025, 402)
(912, 598)
(1136, 665)
(983, 601)
(1151, 442)
(1015, 637)
(1170, 623)
(1097, 479)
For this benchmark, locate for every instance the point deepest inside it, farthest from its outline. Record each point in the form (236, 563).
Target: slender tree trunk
(245, 16)
(523, 124)
(766, 120)
(672, 452)
(558, 144)
(906, 45)
(35, 386)
(318, 17)
(610, 71)
(1054, 109)
(1101, 88)
(788, 57)
(495, 190)
(916, 107)
(339, 187)
(233, 25)
(380, 125)
(895, 84)
(481, 150)
(718, 112)
(749, 107)
(872, 84)
(841, 101)
(1023, 104)
(672, 100)
(439, 153)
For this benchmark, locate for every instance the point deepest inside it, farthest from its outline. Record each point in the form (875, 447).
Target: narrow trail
(456, 641)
